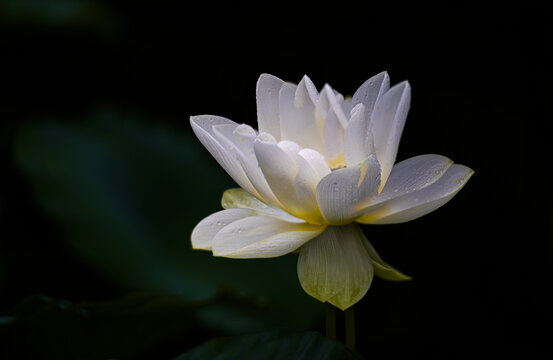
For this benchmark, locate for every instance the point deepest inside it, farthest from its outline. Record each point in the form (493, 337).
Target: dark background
(102, 179)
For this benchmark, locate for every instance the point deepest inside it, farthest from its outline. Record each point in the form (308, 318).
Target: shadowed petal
(407, 176)
(333, 131)
(336, 267)
(421, 202)
(340, 192)
(239, 198)
(358, 141)
(370, 91)
(386, 125)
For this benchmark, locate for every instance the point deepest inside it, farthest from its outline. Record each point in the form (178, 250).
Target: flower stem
(349, 317)
(330, 315)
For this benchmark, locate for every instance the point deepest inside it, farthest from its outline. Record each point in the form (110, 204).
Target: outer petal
(240, 140)
(408, 176)
(371, 91)
(422, 202)
(268, 119)
(203, 128)
(336, 267)
(205, 231)
(358, 141)
(340, 192)
(239, 198)
(387, 121)
(262, 237)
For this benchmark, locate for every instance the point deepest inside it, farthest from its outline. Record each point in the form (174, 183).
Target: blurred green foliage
(272, 345)
(147, 326)
(72, 13)
(127, 195)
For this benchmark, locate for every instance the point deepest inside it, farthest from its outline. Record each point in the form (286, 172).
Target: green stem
(330, 315)
(349, 316)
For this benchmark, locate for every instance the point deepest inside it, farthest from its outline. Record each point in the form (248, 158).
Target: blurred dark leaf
(272, 345)
(44, 328)
(128, 196)
(135, 326)
(71, 13)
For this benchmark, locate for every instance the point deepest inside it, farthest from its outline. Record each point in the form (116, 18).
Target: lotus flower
(319, 166)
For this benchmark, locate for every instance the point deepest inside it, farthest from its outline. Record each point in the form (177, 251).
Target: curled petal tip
(265, 137)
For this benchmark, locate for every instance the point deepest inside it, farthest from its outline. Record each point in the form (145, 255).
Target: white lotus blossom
(319, 166)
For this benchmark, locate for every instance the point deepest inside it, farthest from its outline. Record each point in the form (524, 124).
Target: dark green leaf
(128, 196)
(139, 325)
(271, 345)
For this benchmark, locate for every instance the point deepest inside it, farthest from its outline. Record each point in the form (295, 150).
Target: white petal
(239, 198)
(290, 147)
(240, 139)
(306, 181)
(358, 141)
(262, 237)
(335, 104)
(316, 161)
(203, 128)
(407, 176)
(370, 91)
(418, 203)
(205, 231)
(335, 267)
(386, 125)
(333, 137)
(312, 166)
(340, 192)
(333, 131)
(267, 92)
(281, 169)
(298, 122)
(306, 88)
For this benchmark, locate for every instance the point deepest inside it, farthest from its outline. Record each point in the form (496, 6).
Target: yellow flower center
(337, 162)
